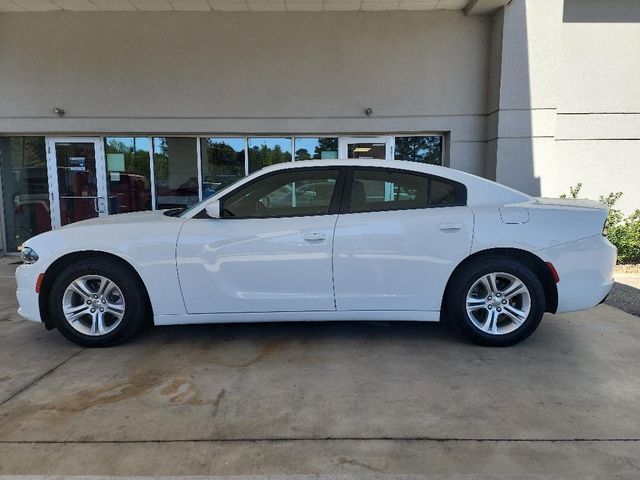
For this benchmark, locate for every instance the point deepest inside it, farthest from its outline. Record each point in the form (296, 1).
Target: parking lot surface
(322, 398)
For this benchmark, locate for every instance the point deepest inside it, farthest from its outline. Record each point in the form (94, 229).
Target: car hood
(123, 218)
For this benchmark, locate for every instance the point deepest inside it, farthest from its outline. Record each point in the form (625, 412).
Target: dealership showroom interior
(389, 121)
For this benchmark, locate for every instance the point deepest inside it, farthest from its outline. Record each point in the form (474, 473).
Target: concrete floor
(333, 398)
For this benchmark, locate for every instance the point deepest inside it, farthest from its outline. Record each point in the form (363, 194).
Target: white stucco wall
(522, 97)
(598, 121)
(182, 72)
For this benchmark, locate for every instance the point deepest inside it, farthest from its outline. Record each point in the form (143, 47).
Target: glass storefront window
(316, 148)
(25, 188)
(77, 181)
(268, 151)
(222, 163)
(176, 172)
(424, 149)
(128, 174)
(367, 150)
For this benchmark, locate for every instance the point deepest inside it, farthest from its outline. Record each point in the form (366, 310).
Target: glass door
(77, 179)
(377, 148)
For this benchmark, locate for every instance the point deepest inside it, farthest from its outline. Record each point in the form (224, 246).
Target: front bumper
(585, 268)
(28, 299)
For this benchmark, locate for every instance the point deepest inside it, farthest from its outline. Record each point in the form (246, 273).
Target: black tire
(463, 281)
(129, 285)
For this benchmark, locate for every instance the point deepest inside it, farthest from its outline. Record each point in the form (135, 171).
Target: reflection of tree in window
(326, 145)
(223, 164)
(303, 154)
(161, 162)
(263, 156)
(135, 160)
(320, 145)
(419, 149)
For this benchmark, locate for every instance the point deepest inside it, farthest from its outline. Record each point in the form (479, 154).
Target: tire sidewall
(462, 284)
(134, 301)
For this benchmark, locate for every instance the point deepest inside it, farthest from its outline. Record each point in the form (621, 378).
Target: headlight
(28, 255)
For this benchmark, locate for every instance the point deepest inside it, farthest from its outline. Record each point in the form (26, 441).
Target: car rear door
(270, 251)
(401, 235)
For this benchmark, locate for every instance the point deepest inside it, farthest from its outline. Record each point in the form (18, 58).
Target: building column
(522, 96)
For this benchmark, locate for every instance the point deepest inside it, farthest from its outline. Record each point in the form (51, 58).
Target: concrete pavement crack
(37, 379)
(325, 439)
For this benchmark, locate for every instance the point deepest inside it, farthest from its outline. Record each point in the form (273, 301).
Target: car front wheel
(97, 303)
(496, 301)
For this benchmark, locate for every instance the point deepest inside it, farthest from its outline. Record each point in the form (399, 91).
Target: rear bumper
(28, 301)
(585, 268)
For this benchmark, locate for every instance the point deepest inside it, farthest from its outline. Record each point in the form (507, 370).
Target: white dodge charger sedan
(326, 240)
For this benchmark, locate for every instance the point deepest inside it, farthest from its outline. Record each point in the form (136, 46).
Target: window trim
(345, 208)
(335, 205)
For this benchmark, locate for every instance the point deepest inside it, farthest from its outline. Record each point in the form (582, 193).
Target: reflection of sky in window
(134, 143)
(285, 143)
(236, 143)
(309, 144)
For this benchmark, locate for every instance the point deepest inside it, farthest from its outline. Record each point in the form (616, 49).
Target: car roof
(480, 190)
(341, 162)
(351, 162)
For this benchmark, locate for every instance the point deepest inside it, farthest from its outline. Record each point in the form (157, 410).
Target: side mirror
(213, 209)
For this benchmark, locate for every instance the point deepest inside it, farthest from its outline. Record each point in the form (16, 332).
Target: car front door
(271, 249)
(400, 238)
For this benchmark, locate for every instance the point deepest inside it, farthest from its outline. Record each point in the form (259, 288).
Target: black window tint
(376, 190)
(443, 194)
(297, 192)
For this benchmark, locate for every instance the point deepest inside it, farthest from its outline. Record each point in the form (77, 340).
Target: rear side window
(374, 190)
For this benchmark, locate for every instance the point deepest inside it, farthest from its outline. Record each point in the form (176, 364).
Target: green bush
(625, 235)
(623, 231)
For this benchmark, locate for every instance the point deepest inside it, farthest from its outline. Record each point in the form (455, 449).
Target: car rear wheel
(496, 301)
(97, 303)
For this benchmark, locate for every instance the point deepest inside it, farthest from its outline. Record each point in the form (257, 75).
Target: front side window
(374, 190)
(293, 193)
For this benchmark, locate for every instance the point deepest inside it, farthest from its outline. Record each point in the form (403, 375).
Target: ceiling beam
(484, 7)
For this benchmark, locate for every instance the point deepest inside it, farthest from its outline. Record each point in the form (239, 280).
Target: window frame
(335, 205)
(460, 189)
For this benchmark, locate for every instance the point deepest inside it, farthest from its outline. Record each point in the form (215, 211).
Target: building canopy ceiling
(470, 6)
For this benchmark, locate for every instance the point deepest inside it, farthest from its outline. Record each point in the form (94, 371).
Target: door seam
(333, 279)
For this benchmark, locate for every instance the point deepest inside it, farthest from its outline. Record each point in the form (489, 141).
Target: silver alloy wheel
(498, 303)
(93, 305)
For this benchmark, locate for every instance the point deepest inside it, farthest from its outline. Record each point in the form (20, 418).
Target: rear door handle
(449, 226)
(314, 237)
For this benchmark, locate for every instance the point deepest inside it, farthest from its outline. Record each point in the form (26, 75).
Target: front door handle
(449, 226)
(314, 237)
